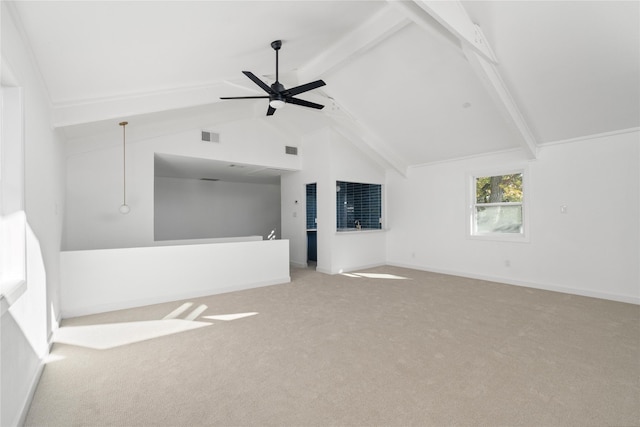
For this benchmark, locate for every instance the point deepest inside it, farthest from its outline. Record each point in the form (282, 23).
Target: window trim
(523, 237)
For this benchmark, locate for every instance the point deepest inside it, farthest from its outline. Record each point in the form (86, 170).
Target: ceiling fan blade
(303, 103)
(304, 88)
(243, 97)
(257, 81)
(270, 111)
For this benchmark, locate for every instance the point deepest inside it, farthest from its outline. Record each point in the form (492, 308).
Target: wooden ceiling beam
(453, 20)
(375, 30)
(453, 16)
(379, 27)
(492, 80)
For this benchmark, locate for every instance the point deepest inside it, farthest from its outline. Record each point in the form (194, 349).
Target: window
(358, 206)
(498, 205)
(312, 206)
(13, 221)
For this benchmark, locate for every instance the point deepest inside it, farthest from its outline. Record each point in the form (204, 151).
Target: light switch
(563, 209)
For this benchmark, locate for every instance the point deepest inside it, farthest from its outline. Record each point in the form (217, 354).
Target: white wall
(329, 157)
(13, 222)
(94, 178)
(25, 327)
(591, 250)
(193, 209)
(111, 279)
(315, 161)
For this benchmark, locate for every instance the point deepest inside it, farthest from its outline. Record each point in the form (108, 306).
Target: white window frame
(526, 201)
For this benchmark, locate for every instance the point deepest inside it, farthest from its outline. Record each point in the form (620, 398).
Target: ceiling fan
(277, 94)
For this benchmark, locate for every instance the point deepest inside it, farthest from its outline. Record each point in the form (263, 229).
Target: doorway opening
(312, 225)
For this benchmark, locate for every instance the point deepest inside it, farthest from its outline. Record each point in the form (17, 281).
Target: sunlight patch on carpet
(376, 276)
(178, 311)
(197, 312)
(53, 358)
(228, 317)
(110, 335)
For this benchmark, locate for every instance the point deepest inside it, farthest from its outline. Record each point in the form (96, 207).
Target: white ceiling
(572, 66)
(105, 49)
(397, 79)
(172, 166)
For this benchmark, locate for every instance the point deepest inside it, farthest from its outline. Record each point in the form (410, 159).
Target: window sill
(519, 238)
(362, 230)
(11, 291)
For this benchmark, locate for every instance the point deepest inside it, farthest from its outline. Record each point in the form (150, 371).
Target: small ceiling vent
(209, 179)
(291, 150)
(208, 136)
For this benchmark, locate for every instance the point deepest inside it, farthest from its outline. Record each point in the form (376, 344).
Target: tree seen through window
(498, 204)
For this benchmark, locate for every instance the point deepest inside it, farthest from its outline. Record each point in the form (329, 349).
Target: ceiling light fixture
(124, 208)
(276, 102)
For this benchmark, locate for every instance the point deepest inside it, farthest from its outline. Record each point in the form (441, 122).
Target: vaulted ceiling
(411, 82)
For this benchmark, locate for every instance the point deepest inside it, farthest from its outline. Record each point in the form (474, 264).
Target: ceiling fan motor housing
(277, 87)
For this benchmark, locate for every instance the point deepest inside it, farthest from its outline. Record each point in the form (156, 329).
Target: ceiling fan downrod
(276, 45)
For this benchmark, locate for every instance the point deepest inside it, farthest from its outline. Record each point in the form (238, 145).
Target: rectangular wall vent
(291, 150)
(209, 179)
(208, 136)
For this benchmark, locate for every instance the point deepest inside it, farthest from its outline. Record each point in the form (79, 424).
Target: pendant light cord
(124, 163)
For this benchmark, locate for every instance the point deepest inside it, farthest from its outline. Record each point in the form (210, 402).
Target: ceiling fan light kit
(278, 95)
(277, 102)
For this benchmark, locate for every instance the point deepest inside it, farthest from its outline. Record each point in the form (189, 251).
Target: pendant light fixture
(124, 208)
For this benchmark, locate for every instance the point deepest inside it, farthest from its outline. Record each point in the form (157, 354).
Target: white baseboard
(349, 269)
(323, 270)
(359, 267)
(546, 287)
(54, 327)
(297, 264)
(22, 416)
(75, 312)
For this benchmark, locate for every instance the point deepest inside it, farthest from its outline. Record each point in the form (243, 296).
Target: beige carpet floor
(384, 347)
